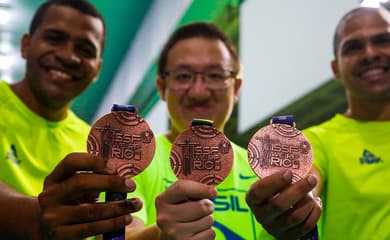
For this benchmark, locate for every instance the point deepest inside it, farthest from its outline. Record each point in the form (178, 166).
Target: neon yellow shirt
(354, 161)
(31, 146)
(232, 216)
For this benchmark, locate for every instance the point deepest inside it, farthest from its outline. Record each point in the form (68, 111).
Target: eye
(86, 51)
(53, 38)
(182, 76)
(383, 39)
(351, 47)
(215, 76)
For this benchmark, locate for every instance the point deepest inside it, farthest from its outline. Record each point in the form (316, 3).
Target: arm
(285, 210)
(19, 214)
(183, 212)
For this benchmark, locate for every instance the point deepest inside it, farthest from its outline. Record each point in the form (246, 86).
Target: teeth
(59, 74)
(373, 72)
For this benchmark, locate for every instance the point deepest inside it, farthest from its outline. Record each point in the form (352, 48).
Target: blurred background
(285, 47)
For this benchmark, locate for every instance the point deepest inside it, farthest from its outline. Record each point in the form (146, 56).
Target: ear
(335, 69)
(161, 87)
(24, 45)
(237, 88)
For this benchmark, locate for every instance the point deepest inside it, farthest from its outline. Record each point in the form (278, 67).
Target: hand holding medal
(278, 147)
(126, 140)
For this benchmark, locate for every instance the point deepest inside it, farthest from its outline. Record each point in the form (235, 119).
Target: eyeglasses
(215, 79)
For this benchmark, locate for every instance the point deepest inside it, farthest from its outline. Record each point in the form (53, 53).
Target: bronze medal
(277, 147)
(202, 153)
(125, 139)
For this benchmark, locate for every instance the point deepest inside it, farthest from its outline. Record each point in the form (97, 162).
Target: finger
(74, 162)
(267, 187)
(184, 190)
(294, 216)
(186, 211)
(79, 231)
(205, 230)
(207, 234)
(307, 226)
(188, 230)
(67, 215)
(81, 183)
(290, 196)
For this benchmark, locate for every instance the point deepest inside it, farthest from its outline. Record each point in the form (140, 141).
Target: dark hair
(350, 14)
(197, 29)
(81, 5)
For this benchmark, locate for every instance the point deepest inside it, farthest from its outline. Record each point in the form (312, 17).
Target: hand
(68, 202)
(184, 211)
(285, 210)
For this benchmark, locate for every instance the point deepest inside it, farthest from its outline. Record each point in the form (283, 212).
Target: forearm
(19, 214)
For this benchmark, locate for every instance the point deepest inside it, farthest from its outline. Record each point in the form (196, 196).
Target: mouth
(374, 72)
(198, 107)
(58, 74)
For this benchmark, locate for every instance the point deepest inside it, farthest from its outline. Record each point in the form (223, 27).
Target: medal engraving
(202, 154)
(277, 147)
(125, 139)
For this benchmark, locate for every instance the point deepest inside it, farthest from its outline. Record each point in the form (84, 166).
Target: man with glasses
(198, 77)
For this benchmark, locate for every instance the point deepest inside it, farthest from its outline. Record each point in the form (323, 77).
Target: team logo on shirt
(12, 155)
(369, 158)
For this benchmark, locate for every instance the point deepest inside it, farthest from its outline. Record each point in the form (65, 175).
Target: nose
(66, 55)
(199, 88)
(371, 53)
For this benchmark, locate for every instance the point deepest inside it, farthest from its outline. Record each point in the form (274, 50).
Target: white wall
(286, 49)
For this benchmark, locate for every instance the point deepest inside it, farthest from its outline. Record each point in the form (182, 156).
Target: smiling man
(351, 150)
(63, 57)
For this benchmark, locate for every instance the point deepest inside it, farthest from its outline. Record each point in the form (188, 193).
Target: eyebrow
(85, 41)
(190, 67)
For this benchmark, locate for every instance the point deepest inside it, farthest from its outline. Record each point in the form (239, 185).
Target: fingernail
(213, 192)
(111, 167)
(132, 204)
(312, 180)
(128, 219)
(287, 176)
(319, 201)
(130, 184)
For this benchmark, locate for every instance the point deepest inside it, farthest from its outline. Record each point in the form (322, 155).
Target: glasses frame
(232, 75)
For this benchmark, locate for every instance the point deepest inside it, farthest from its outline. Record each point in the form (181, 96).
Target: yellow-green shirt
(353, 158)
(31, 146)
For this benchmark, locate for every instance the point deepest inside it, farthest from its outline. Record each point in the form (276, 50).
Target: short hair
(350, 14)
(81, 5)
(197, 29)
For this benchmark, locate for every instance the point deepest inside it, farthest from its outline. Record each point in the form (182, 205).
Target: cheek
(91, 69)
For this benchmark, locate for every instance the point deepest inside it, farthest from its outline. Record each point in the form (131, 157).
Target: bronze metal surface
(125, 139)
(277, 147)
(203, 154)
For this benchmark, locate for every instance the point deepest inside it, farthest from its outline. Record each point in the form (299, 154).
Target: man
(198, 77)
(63, 52)
(351, 150)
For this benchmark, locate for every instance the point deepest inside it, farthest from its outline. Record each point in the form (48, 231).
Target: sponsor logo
(369, 158)
(12, 155)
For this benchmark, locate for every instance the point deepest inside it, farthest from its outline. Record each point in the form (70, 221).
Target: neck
(172, 134)
(376, 110)
(24, 93)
